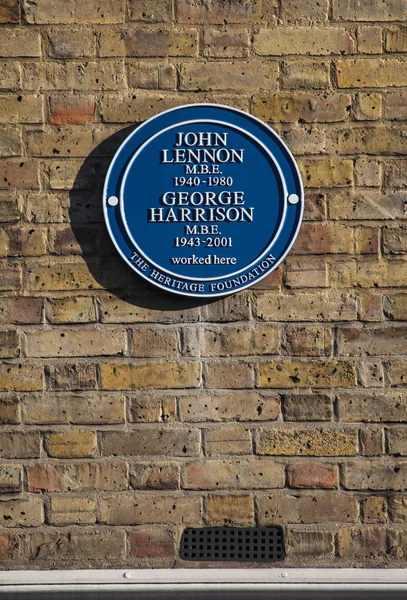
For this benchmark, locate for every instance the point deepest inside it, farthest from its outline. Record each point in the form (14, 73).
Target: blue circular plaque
(203, 200)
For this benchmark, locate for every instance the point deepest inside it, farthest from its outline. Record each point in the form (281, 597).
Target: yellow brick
(306, 373)
(310, 441)
(368, 106)
(326, 172)
(74, 444)
(305, 106)
(303, 40)
(21, 377)
(65, 510)
(371, 72)
(229, 510)
(77, 309)
(370, 39)
(145, 375)
(76, 342)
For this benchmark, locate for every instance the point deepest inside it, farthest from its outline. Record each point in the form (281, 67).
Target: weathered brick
(371, 72)
(20, 310)
(252, 473)
(218, 11)
(23, 174)
(229, 510)
(161, 42)
(306, 373)
(370, 306)
(229, 43)
(10, 141)
(307, 441)
(149, 375)
(304, 106)
(147, 408)
(73, 444)
(398, 509)
(394, 177)
(89, 545)
(76, 342)
(78, 309)
(367, 240)
(128, 509)
(371, 373)
(10, 546)
(23, 241)
(154, 476)
(224, 374)
(304, 73)
(25, 512)
(371, 441)
(304, 40)
(372, 407)
(235, 340)
(307, 307)
(9, 344)
(367, 172)
(395, 306)
(10, 11)
(235, 76)
(79, 409)
(370, 39)
(65, 141)
(364, 10)
(372, 140)
(374, 475)
(64, 510)
(10, 74)
(43, 208)
(307, 139)
(178, 441)
(141, 105)
(68, 109)
(79, 477)
(301, 10)
(305, 272)
(309, 543)
(150, 10)
(324, 239)
(238, 406)
(362, 543)
(10, 410)
(73, 274)
(374, 509)
(82, 75)
(19, 444)
(154, 342)
(152, 543)
(228, 439)
(71, 376)
(396, 40)
(308, 341)
(71, 43)
(375, 273)
(10, 479)
(21, 377)
(233, 308)
(317, 508)
(396, 441)
(19, 41)
(307, 407)
(313, 475)
(368, 107)
(368, 204)
(326, 172)
(58, 11)
(130, 309)
(371, 340)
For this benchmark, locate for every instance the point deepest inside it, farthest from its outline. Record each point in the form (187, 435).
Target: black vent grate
(254, 544)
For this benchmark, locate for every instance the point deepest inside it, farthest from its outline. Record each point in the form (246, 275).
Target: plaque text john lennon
(207, 206)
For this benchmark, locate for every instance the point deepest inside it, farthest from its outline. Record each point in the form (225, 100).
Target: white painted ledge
(244, 582)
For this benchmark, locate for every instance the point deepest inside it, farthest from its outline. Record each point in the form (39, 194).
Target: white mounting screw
(113, 201)
(127, 575)
(293, 198)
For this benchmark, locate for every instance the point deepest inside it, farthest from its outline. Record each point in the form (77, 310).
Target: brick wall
(128, 414)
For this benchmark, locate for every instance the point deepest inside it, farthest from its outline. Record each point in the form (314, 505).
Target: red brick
(68, 109)
(152, 542)
(313, 475)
